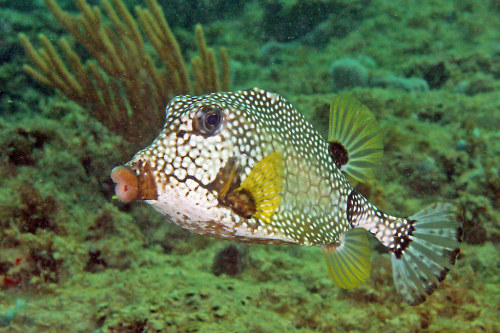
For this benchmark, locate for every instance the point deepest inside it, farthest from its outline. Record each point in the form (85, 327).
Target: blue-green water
(73, 259)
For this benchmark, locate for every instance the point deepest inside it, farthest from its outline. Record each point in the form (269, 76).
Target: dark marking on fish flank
(223, 177)
(186, 178)
(338, 153)
(241, 202)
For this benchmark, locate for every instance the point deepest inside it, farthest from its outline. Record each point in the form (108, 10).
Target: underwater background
(74, 259)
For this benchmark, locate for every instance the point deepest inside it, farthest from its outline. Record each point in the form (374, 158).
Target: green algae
(91, 264)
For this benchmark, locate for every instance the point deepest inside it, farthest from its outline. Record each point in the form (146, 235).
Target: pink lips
(127, 183)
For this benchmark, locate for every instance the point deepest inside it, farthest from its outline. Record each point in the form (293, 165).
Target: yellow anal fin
(264, 184)
(349, 262)
(355, 139)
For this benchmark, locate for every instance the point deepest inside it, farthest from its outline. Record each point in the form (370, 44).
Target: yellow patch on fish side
(262, 188)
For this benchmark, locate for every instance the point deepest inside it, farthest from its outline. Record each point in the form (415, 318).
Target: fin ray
(430, 254)
(423, 268)
(349, 263)
(265, 184)
(348, 269)
(354, 127)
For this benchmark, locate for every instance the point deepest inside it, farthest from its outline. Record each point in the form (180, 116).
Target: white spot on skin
(180, 173)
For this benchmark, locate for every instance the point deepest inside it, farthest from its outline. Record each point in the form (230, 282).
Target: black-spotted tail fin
(429, 252)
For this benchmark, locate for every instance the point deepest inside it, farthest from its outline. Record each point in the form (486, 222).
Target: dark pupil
(212, 120)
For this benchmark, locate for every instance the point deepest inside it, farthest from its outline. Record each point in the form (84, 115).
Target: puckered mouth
(134, 181)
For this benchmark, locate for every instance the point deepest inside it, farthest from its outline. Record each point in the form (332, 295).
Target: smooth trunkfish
(247, 166)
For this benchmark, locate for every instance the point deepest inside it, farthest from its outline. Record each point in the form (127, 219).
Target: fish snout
(134, 182)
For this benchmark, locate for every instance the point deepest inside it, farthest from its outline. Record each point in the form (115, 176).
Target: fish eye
(208, 120)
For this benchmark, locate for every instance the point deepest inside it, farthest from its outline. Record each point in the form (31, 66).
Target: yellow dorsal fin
(349, 261)
(264, 184)
(355, 139)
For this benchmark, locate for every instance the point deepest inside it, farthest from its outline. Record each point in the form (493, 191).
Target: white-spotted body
(254, 127)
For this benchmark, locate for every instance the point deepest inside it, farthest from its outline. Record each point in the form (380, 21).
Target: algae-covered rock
(409, 84)
(231, 260)
(285, 20)
(349, 73)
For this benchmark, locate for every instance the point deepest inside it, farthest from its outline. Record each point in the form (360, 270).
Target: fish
(247, 166)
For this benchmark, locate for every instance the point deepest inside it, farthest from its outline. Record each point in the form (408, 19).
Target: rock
(231, 260)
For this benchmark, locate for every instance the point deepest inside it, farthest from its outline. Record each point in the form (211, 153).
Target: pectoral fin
(259, 195)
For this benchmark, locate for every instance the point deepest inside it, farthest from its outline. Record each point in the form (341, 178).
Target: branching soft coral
(122, 85)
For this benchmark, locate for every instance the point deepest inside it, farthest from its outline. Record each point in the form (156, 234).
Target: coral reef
(73, 259)
(408, 84)
(348, 73)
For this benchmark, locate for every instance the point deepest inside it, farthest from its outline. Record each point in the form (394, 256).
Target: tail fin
(428, 253)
